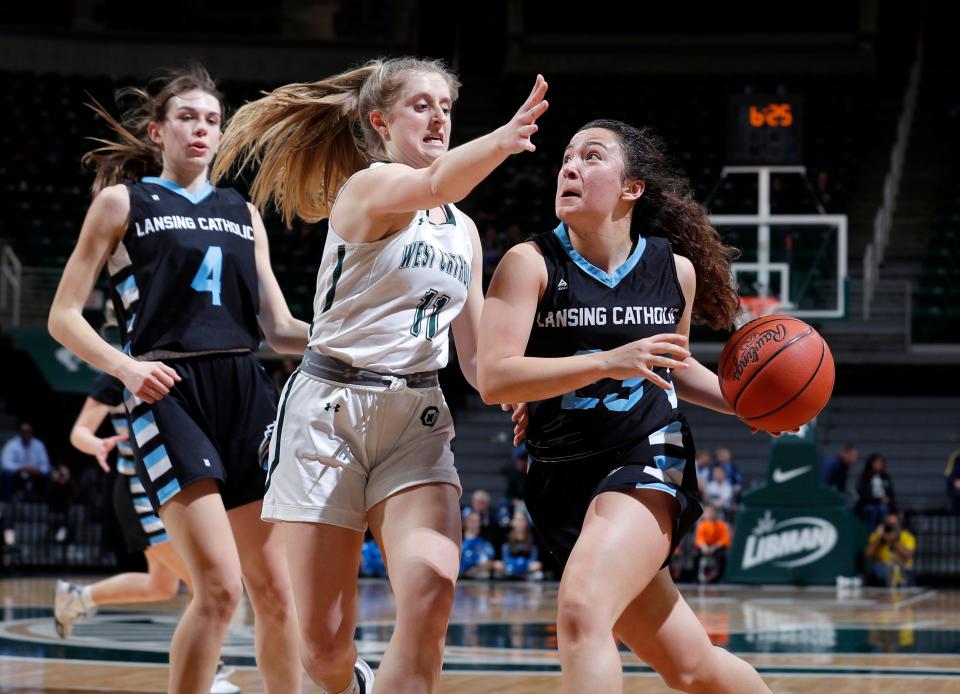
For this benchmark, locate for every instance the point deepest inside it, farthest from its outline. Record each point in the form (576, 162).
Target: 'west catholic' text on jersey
(184, 276)
(584, 309)
(387, 305)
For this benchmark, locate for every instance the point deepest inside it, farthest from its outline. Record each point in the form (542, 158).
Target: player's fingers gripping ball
(776, 373)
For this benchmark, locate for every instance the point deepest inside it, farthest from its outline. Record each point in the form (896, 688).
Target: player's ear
(632, 190)
(379, 124)
(153, 132)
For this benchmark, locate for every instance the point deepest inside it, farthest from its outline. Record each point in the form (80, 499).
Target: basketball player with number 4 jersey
(190, 276)
(589, 324)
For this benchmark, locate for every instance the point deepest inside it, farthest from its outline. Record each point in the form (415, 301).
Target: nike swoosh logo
(779, 476)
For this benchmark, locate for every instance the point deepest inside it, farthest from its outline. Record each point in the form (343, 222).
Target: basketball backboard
(794, 264)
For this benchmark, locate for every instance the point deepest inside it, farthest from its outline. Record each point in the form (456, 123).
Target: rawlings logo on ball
(750, 351)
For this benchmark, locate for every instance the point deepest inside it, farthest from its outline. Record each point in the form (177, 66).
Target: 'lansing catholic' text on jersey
(184, 276)
(583, 310)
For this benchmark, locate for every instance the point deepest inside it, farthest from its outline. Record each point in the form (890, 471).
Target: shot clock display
(765, 129)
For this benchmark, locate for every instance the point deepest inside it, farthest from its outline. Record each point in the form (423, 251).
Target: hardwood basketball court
(502, 638)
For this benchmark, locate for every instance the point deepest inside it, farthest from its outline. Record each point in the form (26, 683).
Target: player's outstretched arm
(396, 189)
(696, 383)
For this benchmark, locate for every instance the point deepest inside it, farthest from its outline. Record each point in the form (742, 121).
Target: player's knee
(164, 587)
(322, 651)
(689, 673)
(219, 595)
(272, 596)
(429, 611)
(577, 616)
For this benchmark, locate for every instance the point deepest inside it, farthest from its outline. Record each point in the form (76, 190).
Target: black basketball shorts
(558, 494)
(139, 524)
(210, 426)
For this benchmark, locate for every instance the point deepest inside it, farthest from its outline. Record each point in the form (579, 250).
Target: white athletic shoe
(364, 676)
(68, 607)
(221, 685)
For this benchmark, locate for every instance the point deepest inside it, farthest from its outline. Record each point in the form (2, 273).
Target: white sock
(86, 597)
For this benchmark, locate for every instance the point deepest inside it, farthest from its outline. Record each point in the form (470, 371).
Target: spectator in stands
(874, 491)
(720, 491)
(724, 458)
(712, 543)
(833, 470)
(489, 527)
(520, 556)
(516, 473)
(26, 465)
(952, 476)
(476, 556)
(704, 462)
(371, 559)
(889, 554)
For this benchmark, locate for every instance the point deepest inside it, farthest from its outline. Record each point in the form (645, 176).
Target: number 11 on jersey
(431, 296)
(207, 278)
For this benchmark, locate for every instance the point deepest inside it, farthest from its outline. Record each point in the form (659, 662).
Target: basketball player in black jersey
(190, 275)
(589, 323)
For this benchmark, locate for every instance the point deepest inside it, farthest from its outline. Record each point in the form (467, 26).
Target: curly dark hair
(667, 209)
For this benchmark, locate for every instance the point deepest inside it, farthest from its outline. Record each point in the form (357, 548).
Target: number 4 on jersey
(431, 296)
(207, 278)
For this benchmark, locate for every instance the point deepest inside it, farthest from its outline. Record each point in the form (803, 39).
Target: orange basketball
(776, 373)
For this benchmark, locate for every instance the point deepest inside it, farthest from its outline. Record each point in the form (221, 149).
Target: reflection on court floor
(502, 638)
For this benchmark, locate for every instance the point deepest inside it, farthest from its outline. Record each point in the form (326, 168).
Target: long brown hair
(134, 155)
(308, 138)
(667, 209)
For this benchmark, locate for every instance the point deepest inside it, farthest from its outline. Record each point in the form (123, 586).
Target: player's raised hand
(516, 135)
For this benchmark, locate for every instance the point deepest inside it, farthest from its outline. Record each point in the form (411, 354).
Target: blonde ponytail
(302, 139)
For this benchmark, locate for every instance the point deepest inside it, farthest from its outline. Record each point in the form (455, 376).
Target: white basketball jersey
(387, 305)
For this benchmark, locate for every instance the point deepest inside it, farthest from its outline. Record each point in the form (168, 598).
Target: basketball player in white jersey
(363, 432)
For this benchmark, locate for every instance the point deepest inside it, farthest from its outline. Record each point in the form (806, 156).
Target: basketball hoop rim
(754, 307)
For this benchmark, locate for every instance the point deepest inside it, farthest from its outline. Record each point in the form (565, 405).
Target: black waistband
(331, 369)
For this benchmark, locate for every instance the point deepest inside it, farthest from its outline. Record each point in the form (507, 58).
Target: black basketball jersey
(184, 277)
(584, 309)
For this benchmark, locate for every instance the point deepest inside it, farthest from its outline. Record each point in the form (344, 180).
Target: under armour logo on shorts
(330, 406)
(429, 416)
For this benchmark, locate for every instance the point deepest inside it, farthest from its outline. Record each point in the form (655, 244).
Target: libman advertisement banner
(795, 545)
